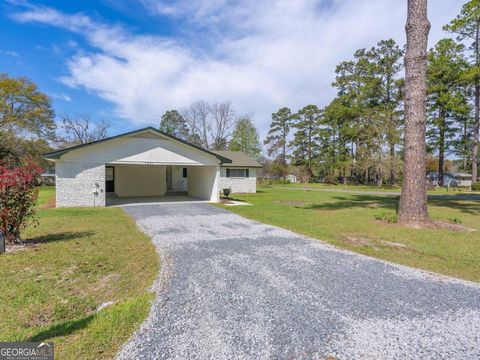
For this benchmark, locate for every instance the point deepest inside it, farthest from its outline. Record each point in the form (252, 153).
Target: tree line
(359, 135)
(214, 126)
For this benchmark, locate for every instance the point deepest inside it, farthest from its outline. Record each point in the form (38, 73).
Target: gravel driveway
(232, 288)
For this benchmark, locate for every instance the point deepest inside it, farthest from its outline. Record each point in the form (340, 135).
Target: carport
(158, 183)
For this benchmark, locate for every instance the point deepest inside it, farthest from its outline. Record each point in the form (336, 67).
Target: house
(450, 179)
(147, 163)
(292, 178)
(241, 174)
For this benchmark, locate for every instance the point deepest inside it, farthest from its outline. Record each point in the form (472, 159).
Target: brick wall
(239, 185)
(76, 182)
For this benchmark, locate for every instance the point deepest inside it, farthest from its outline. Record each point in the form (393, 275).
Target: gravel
(232, 288)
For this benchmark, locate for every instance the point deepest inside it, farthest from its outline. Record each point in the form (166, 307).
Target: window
(184, 172)
(237, 173)
(109, 173)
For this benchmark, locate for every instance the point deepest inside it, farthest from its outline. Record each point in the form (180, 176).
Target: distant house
(451, 179)
(292, 178)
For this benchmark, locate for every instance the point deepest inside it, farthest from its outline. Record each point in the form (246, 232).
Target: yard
(77, 259)
(348, 221)
(372, 188)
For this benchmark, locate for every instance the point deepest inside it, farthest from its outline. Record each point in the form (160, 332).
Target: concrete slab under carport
(152, 200)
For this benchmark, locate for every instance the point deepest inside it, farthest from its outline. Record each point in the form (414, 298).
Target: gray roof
(239, 159)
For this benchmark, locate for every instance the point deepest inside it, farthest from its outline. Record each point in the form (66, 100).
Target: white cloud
(9, 53)
(61, 96)
(261, 55)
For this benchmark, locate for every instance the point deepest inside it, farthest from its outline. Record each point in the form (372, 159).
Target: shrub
(455, 220)
(390, 218)
(227, 192)
(330, 179)
(476, 186)
(18, 197)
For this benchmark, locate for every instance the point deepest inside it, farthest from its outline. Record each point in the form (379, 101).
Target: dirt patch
(361, 242)
(392, 244)
(436, 225)
(13, 248)
(372, 243)
(107, 281)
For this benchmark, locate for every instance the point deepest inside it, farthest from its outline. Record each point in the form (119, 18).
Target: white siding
(140, 180)
(142, 151)
(76, 183)
(203, 182)
(179, 183)
(239, 185)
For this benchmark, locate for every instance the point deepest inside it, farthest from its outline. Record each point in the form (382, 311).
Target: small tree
(18, 197)
(245, 138)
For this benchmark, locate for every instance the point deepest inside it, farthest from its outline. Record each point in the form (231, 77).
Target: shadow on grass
(356, 201)
(63, 329)
(391, 203)
(63, 236)
(470, 207)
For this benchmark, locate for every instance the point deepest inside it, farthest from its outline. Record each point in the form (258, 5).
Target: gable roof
(239, 159)
(58, 154)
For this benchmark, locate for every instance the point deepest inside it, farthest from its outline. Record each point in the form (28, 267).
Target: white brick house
(241, 174)
(146, 163)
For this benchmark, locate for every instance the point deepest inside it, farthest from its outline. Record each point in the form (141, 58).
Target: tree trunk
(476, 129)
(413, 199)
(465, 147)
(392, 164)
(441, 153)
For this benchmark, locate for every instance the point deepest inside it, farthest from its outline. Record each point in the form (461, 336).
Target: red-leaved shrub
(18, 197)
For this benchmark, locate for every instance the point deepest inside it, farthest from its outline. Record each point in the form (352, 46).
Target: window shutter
(247, 173)
(228, 172)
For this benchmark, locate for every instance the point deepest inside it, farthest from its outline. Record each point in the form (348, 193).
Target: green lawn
(45, 195)
(362, 188)
(348, 221)
(83, 257)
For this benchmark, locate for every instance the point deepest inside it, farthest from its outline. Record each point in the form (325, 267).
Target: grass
(45, 195)
(348, 221)
(82, 258)
(373, 188)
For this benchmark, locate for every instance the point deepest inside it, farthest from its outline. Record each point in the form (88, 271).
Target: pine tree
(305, 143)
(413, 199)
(278, 134)
(467, 27)
(174, 124)
(447, 102)
(245, 138)
(386, 60)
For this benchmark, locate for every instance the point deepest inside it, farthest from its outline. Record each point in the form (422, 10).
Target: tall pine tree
(467, 27)
(447, 102)
(305, 144)
(277, 136)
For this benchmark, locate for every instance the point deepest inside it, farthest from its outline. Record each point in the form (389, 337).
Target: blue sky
(129, 61)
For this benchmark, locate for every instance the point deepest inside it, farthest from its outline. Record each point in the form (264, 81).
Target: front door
(109, 179)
